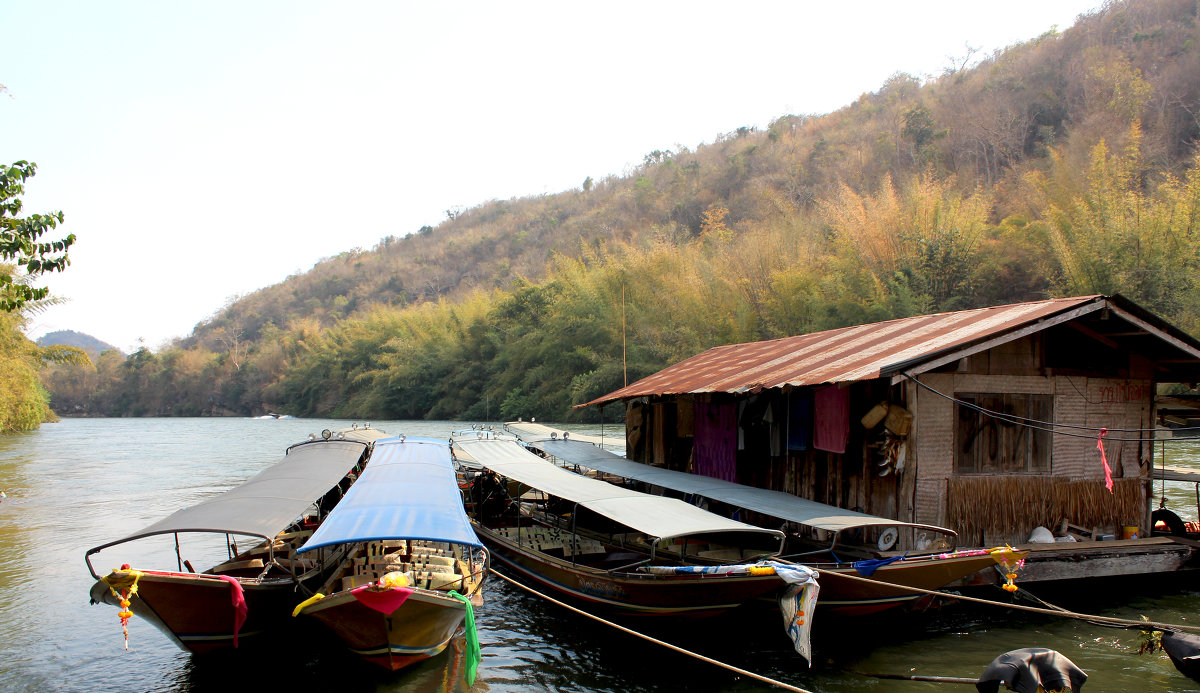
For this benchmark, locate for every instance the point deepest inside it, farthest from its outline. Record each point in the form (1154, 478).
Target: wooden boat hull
(844, 595)
(196, 610)
(630, 593)
(419, 629)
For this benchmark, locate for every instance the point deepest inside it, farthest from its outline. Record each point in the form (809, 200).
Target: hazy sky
(204, 150)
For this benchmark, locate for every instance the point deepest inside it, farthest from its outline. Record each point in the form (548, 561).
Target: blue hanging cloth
(868, 567)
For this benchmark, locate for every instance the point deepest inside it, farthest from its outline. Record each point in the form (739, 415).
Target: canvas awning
(654, 516)
(615, 439)
(409, 491)
(269, 501)
(778, 504)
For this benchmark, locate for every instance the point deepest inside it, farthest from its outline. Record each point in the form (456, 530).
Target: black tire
(1175, 526)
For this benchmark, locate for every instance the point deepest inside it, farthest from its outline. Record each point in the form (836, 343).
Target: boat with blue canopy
(414, 568)
(251, 589)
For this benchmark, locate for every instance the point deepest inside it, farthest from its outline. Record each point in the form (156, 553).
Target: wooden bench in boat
(235, 566)
(429, 565)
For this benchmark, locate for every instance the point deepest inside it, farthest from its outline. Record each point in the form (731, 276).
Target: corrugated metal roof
(847, 354)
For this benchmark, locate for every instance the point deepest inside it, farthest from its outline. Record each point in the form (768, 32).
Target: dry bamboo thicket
(1012, 506)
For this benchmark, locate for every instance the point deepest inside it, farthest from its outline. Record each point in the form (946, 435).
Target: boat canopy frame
(778, 504)
(655, 516)
(409, 491)
(265, 504)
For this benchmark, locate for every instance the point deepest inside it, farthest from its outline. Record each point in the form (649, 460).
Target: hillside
(1062, 165)
(92, 346)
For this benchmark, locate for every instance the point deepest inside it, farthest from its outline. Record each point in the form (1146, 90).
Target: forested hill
(89, 344)
(1063, 165)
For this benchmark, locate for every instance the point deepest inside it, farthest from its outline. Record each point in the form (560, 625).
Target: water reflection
(315, 660)
(82, 483)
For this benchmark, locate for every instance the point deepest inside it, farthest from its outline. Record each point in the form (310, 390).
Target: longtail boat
(838, 562)
(608, 546)
(413, 568)
(252, 590)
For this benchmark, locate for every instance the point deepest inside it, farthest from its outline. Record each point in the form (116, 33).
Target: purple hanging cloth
(715, 451)
(831, 427)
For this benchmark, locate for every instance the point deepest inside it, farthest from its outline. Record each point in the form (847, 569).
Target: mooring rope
(656, 641)
(1097, 620)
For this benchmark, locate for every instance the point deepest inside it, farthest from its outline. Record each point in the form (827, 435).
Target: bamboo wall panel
(934, 444)
(1008, 508)
(1071, 454)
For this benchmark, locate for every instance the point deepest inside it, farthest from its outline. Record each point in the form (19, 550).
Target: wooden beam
(1173, 341)
(1093, 334)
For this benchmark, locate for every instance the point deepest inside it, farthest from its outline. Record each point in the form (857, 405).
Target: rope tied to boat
(669, 646)
(473, 652)
(123, 583)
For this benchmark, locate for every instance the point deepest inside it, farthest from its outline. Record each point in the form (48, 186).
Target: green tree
(19, 240)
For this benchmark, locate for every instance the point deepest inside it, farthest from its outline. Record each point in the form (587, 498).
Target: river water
(81, 483)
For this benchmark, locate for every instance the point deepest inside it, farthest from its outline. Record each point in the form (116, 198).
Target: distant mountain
(94, 347)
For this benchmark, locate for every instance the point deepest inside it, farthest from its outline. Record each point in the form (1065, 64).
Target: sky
(203, 150)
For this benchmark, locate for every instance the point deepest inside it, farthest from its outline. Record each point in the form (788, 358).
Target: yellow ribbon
(122, 580)
(307, 602)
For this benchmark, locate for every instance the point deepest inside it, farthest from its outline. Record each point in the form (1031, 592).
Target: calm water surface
(81, 483)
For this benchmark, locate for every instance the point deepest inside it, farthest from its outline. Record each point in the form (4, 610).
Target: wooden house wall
(661, 433)
(1076, 467)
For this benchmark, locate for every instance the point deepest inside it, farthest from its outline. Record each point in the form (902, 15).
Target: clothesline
(1049, 426)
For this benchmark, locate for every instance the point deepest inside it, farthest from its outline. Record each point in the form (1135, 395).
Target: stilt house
(985, 421)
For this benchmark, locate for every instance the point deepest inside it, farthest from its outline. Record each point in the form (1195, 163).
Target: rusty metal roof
(865, 352)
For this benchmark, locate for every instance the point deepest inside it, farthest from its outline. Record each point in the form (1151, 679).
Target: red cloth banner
(383, 601)
(239, 605)
(1108, 482)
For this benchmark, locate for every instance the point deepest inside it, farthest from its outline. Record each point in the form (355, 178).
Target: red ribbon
(1108, 482)
(240, 608)
(383, 601)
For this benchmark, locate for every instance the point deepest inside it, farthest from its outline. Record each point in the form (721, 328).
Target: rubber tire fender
(1175, 526)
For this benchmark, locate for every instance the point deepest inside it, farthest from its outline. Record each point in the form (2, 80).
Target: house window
(985, 444)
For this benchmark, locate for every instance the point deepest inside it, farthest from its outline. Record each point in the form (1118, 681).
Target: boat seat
(393, 557)
(439, 580)
(722, 554)
(288, 536)
(583, 547)
(296, 564)
(231, 566)
(352, 581)
(440, 561)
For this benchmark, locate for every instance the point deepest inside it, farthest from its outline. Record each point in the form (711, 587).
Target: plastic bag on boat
(797, 605)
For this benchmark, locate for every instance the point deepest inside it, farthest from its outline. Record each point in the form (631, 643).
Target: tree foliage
(20, 240)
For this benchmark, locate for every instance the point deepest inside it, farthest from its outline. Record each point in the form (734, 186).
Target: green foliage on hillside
(1065, 165)
(24, 402)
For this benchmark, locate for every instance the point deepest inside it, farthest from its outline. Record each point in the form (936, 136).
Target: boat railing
(625, 568)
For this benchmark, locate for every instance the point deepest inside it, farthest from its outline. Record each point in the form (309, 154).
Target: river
(80, 483)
